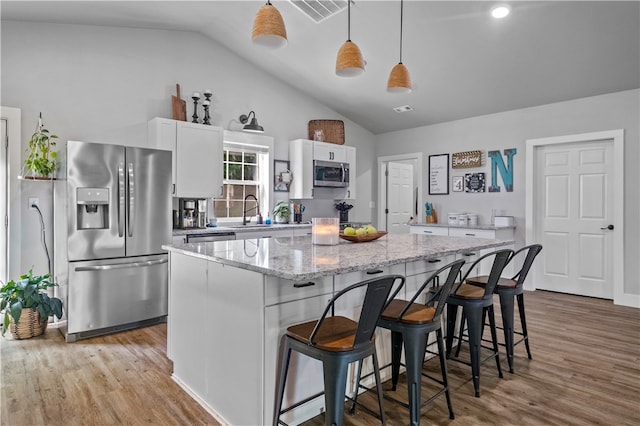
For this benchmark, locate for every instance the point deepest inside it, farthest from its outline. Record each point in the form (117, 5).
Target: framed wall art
(281, 176)
(439, 174)
(457, 184)
(474, 182)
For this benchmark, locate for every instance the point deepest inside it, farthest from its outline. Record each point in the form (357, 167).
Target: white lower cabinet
(263, 233)
(293, 303)
(429, 230)
(501, 233)
(485, 267)
(186, 342)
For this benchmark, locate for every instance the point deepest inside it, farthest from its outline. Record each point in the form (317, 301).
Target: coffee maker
(193, 213)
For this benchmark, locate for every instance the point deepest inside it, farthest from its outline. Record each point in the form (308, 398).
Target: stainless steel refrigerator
(112, 215)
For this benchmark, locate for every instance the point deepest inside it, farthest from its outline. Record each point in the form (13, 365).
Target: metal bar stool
(336, 341)
(476, 303)
(508, 289)
(410, 324)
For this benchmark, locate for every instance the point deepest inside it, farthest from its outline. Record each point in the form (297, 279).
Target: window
(245, 168)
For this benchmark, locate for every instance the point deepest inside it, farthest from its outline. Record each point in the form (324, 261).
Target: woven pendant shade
(399, 80)
(268, 28)
(349, 62)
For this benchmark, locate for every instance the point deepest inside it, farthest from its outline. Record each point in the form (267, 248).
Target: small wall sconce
(253, 126)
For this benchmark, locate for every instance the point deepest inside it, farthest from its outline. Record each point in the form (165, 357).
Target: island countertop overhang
(298, 259)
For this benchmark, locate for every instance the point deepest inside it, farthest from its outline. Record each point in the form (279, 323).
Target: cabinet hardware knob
(308, 284)
(610, 228)
(375, 271)
(434, 260)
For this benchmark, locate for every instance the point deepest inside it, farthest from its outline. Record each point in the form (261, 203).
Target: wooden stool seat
(335, 335)
(467, 291)
(416, 314)
(481, 281)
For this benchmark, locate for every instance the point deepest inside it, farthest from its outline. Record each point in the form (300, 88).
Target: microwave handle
(343, 172)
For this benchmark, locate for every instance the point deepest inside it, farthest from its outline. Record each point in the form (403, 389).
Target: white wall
(103, 84)
(510, 130)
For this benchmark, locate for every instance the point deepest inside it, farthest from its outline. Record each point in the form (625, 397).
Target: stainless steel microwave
(330, 174)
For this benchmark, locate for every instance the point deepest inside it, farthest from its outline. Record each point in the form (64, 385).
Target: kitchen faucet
(244, 208)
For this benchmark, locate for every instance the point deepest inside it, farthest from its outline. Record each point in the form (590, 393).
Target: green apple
(349, 231)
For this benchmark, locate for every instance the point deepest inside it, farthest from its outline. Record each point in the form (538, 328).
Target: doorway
(399, 191)
(4, 191)
(574, 208)
(10, 191)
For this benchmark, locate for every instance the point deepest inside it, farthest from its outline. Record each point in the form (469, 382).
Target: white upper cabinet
(302, 154)
(351, 160)
(301, 164)
(197, 155)
(329, 152)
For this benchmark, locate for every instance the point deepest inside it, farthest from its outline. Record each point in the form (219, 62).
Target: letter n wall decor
(506, 172)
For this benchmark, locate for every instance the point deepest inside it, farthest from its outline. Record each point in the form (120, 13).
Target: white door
(3, 201)
(573, 211)
(400, 197)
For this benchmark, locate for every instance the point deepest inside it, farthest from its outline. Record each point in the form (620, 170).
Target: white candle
(205, 102)
(195, 95)
(325, 230)
(207, 91)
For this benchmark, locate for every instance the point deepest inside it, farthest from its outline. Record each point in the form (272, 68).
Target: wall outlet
(32, 201)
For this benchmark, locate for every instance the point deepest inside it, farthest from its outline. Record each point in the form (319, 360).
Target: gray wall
(102, 84)
(510, 130)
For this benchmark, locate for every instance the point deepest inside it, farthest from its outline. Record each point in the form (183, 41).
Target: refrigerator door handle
(120, 265)
(120, 200)
(131, 201)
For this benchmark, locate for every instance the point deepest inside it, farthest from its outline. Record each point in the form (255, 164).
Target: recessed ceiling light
(500, 11)
(403, 108)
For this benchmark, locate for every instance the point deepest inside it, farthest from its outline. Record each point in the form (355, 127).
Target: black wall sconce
(253, 126)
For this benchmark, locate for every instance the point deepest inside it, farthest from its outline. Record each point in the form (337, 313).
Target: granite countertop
(296, 258)
(444, 225)
(241, 228)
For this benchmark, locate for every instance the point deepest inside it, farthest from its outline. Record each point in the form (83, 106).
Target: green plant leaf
(15, 311)
(5, 323)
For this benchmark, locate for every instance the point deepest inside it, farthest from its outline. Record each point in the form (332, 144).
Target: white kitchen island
(230, 301)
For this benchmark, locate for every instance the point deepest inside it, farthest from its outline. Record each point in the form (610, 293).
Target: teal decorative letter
(505, 172)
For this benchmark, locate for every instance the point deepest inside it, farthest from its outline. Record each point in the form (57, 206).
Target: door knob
(610, 228)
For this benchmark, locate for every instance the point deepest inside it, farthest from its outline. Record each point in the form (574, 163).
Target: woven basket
(333, 130)
(29, 325)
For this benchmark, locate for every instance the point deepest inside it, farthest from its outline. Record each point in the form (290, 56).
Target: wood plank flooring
(585, 371)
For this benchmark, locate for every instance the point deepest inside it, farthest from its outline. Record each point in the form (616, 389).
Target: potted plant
(41, 157)
(26, 305)
(281, 212)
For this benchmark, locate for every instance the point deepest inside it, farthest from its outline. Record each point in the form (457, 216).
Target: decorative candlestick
(207, 105)
(195, 96)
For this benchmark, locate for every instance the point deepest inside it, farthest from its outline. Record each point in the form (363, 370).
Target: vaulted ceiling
(463, 63)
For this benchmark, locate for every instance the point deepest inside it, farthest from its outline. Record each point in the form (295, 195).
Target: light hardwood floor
(585, 370)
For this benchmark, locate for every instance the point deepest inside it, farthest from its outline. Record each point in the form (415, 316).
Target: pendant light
(349, 62)
(268, 28)
(399, 79)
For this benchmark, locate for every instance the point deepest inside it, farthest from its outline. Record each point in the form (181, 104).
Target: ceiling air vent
(319, 10)
(403, 108)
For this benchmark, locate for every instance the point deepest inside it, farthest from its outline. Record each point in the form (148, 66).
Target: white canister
(452, 218)
(473, 219)
(462, 219)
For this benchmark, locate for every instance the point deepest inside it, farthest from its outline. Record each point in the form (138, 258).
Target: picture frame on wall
(474, 182)
(439, 174)
(281, 176)
(457, 184)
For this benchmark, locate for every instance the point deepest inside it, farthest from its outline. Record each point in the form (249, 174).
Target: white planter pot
(280, 219)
